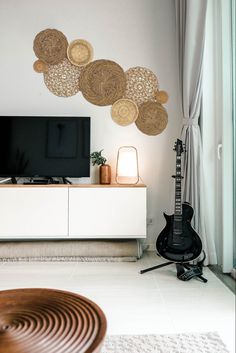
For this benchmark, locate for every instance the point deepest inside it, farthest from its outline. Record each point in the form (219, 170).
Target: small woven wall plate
(152, 119)
(63, 79)
(80, 52)
(161, 97)
(141, 85)
(50, 46)
(124, 112)
(40, 66)
(102, 82)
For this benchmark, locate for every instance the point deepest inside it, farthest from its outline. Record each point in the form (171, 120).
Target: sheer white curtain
(190, 26)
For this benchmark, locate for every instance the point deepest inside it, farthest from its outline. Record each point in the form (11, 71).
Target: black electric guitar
(178, 241)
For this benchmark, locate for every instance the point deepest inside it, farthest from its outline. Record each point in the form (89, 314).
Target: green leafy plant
(97, 158)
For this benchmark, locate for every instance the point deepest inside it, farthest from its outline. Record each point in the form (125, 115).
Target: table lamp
(127, 171)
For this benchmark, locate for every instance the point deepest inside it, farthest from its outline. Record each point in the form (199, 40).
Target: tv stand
(13, 180)
(66, 181)
(44, 181)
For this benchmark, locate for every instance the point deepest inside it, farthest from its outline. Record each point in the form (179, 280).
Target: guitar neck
(177, 226)
(178, 196)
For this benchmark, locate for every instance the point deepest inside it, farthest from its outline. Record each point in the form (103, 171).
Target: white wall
(130, 32)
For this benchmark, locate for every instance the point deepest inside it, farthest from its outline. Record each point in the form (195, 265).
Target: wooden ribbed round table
(49, 321)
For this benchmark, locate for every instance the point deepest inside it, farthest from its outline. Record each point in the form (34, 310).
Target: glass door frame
(217, 129)
(227, 136)
(233, 25)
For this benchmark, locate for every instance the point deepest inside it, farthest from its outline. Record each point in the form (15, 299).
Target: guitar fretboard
(178, 203)
(177, 229)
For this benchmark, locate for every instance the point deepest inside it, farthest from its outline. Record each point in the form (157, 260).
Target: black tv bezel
(62, 175)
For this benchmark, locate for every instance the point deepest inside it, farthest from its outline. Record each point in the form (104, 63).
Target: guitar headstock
(179, 147)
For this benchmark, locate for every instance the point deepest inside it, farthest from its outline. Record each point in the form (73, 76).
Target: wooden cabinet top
(73, 185)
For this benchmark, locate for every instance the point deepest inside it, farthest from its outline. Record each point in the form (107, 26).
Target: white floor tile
(154, 302)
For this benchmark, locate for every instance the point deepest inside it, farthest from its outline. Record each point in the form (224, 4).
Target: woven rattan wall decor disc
(80, 52)
(124, 112)
(50, 46)
(161, 97)
(39, 320)
(63, 79)
(142, 83)
(40, 66)
(102, 82)
(152, 119)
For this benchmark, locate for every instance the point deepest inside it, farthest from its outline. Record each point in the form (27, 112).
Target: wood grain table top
(42, 320)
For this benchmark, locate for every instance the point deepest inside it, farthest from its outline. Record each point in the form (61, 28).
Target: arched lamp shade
(127, 171)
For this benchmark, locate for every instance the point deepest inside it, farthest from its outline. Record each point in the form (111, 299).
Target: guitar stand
(182, 274)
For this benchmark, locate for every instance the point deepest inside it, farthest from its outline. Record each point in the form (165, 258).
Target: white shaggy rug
(209, 342)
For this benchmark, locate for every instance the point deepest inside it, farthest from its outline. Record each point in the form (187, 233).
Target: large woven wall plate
(102, 82)
(80, 52)
(152, 119)
(36, 320)
(142, 84)
(124, 112)
(63, 79)
(50, 46)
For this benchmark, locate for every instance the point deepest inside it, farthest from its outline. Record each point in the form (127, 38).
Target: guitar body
(189, 245)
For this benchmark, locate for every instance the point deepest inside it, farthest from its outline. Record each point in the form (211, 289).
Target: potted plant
(104, 169)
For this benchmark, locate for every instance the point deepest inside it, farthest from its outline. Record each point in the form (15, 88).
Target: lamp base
(127, 180)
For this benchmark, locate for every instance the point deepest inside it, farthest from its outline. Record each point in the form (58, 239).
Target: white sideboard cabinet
(72, 211)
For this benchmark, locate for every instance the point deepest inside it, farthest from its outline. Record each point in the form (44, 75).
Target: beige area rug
(71, 250)
(70, 259)
(209, 342)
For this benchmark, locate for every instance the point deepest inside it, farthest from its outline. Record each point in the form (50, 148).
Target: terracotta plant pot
(105, 174)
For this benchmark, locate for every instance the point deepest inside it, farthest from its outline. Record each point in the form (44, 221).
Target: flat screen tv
(44, 146)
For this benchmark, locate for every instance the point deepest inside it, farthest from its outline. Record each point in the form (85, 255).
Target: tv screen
(44, 146)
